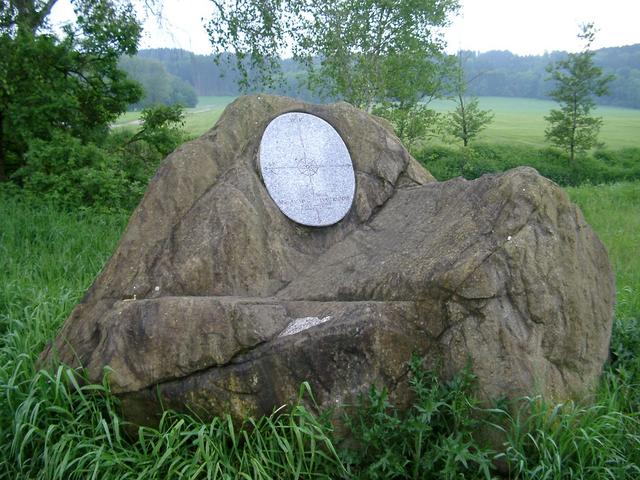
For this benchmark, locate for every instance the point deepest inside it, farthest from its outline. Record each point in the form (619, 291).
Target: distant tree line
(158, 85)
(210, 78)
(495, 73)
(503, 74)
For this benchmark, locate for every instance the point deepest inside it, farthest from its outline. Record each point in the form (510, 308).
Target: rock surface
(215, 302)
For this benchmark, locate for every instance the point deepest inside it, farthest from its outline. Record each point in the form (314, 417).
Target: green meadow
(518, 121)
(197, 120)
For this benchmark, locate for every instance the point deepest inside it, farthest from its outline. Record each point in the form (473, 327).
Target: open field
(517, 120)
(521, 121)
(197, 120)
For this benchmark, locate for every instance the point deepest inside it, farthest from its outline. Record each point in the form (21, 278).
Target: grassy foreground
(52, 428)
(614, 213)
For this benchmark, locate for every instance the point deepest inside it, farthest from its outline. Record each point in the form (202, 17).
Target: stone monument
(297, 242)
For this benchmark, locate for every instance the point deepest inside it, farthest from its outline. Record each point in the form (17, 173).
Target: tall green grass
(614, 213)
(62, 429)
(53, 425)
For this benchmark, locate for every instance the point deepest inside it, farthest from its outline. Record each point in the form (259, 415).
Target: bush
(161, 128)
(72, 174)
(604, 166)
(109, 176)
(433, 439)
(411, 123)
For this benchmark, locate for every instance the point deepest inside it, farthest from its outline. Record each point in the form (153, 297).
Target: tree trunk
(574, 126)
(571, 153)
(29, 17)
(463, 118)
(3, 173)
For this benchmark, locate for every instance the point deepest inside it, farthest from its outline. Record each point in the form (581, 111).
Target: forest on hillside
(495, 73)
(169, 74)
(504, 74)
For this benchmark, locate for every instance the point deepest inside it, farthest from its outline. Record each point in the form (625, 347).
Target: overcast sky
(525, 27)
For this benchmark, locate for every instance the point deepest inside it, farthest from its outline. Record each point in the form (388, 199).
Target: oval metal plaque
(307, 169)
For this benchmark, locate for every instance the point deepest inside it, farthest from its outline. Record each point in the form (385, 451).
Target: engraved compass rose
(306, 163)
(307, 166)
(307, 169)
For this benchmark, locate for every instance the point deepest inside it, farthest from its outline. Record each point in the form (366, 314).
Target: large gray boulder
(215, 302)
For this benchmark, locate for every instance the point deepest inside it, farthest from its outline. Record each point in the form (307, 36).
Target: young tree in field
(363, 51)
(577, 80)
(62, 84)
(468, 119)
(412, 123)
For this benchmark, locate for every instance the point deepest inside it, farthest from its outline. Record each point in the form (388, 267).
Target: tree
(111, 176)
(153, 78)
(577, 80)
(363, 51)
(67, 83)
(161, 126)
(411, 123)
(182, 93)
(467, 120)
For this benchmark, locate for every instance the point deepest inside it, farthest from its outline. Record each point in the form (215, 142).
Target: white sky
(525, 27)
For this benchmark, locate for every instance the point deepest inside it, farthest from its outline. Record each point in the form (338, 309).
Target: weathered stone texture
(502, 271)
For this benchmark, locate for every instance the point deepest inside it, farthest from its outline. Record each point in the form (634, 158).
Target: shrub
(161, 128)
(604, 166)
(110, 176)
(433, 439)
(72, 174)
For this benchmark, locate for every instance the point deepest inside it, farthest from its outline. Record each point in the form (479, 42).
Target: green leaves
(109, 176)
(363, 51)
(577, 80)
(432, 439)
(412, 123)
(63, 84)
(161, 128)
(74, 175)
(468, 119)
